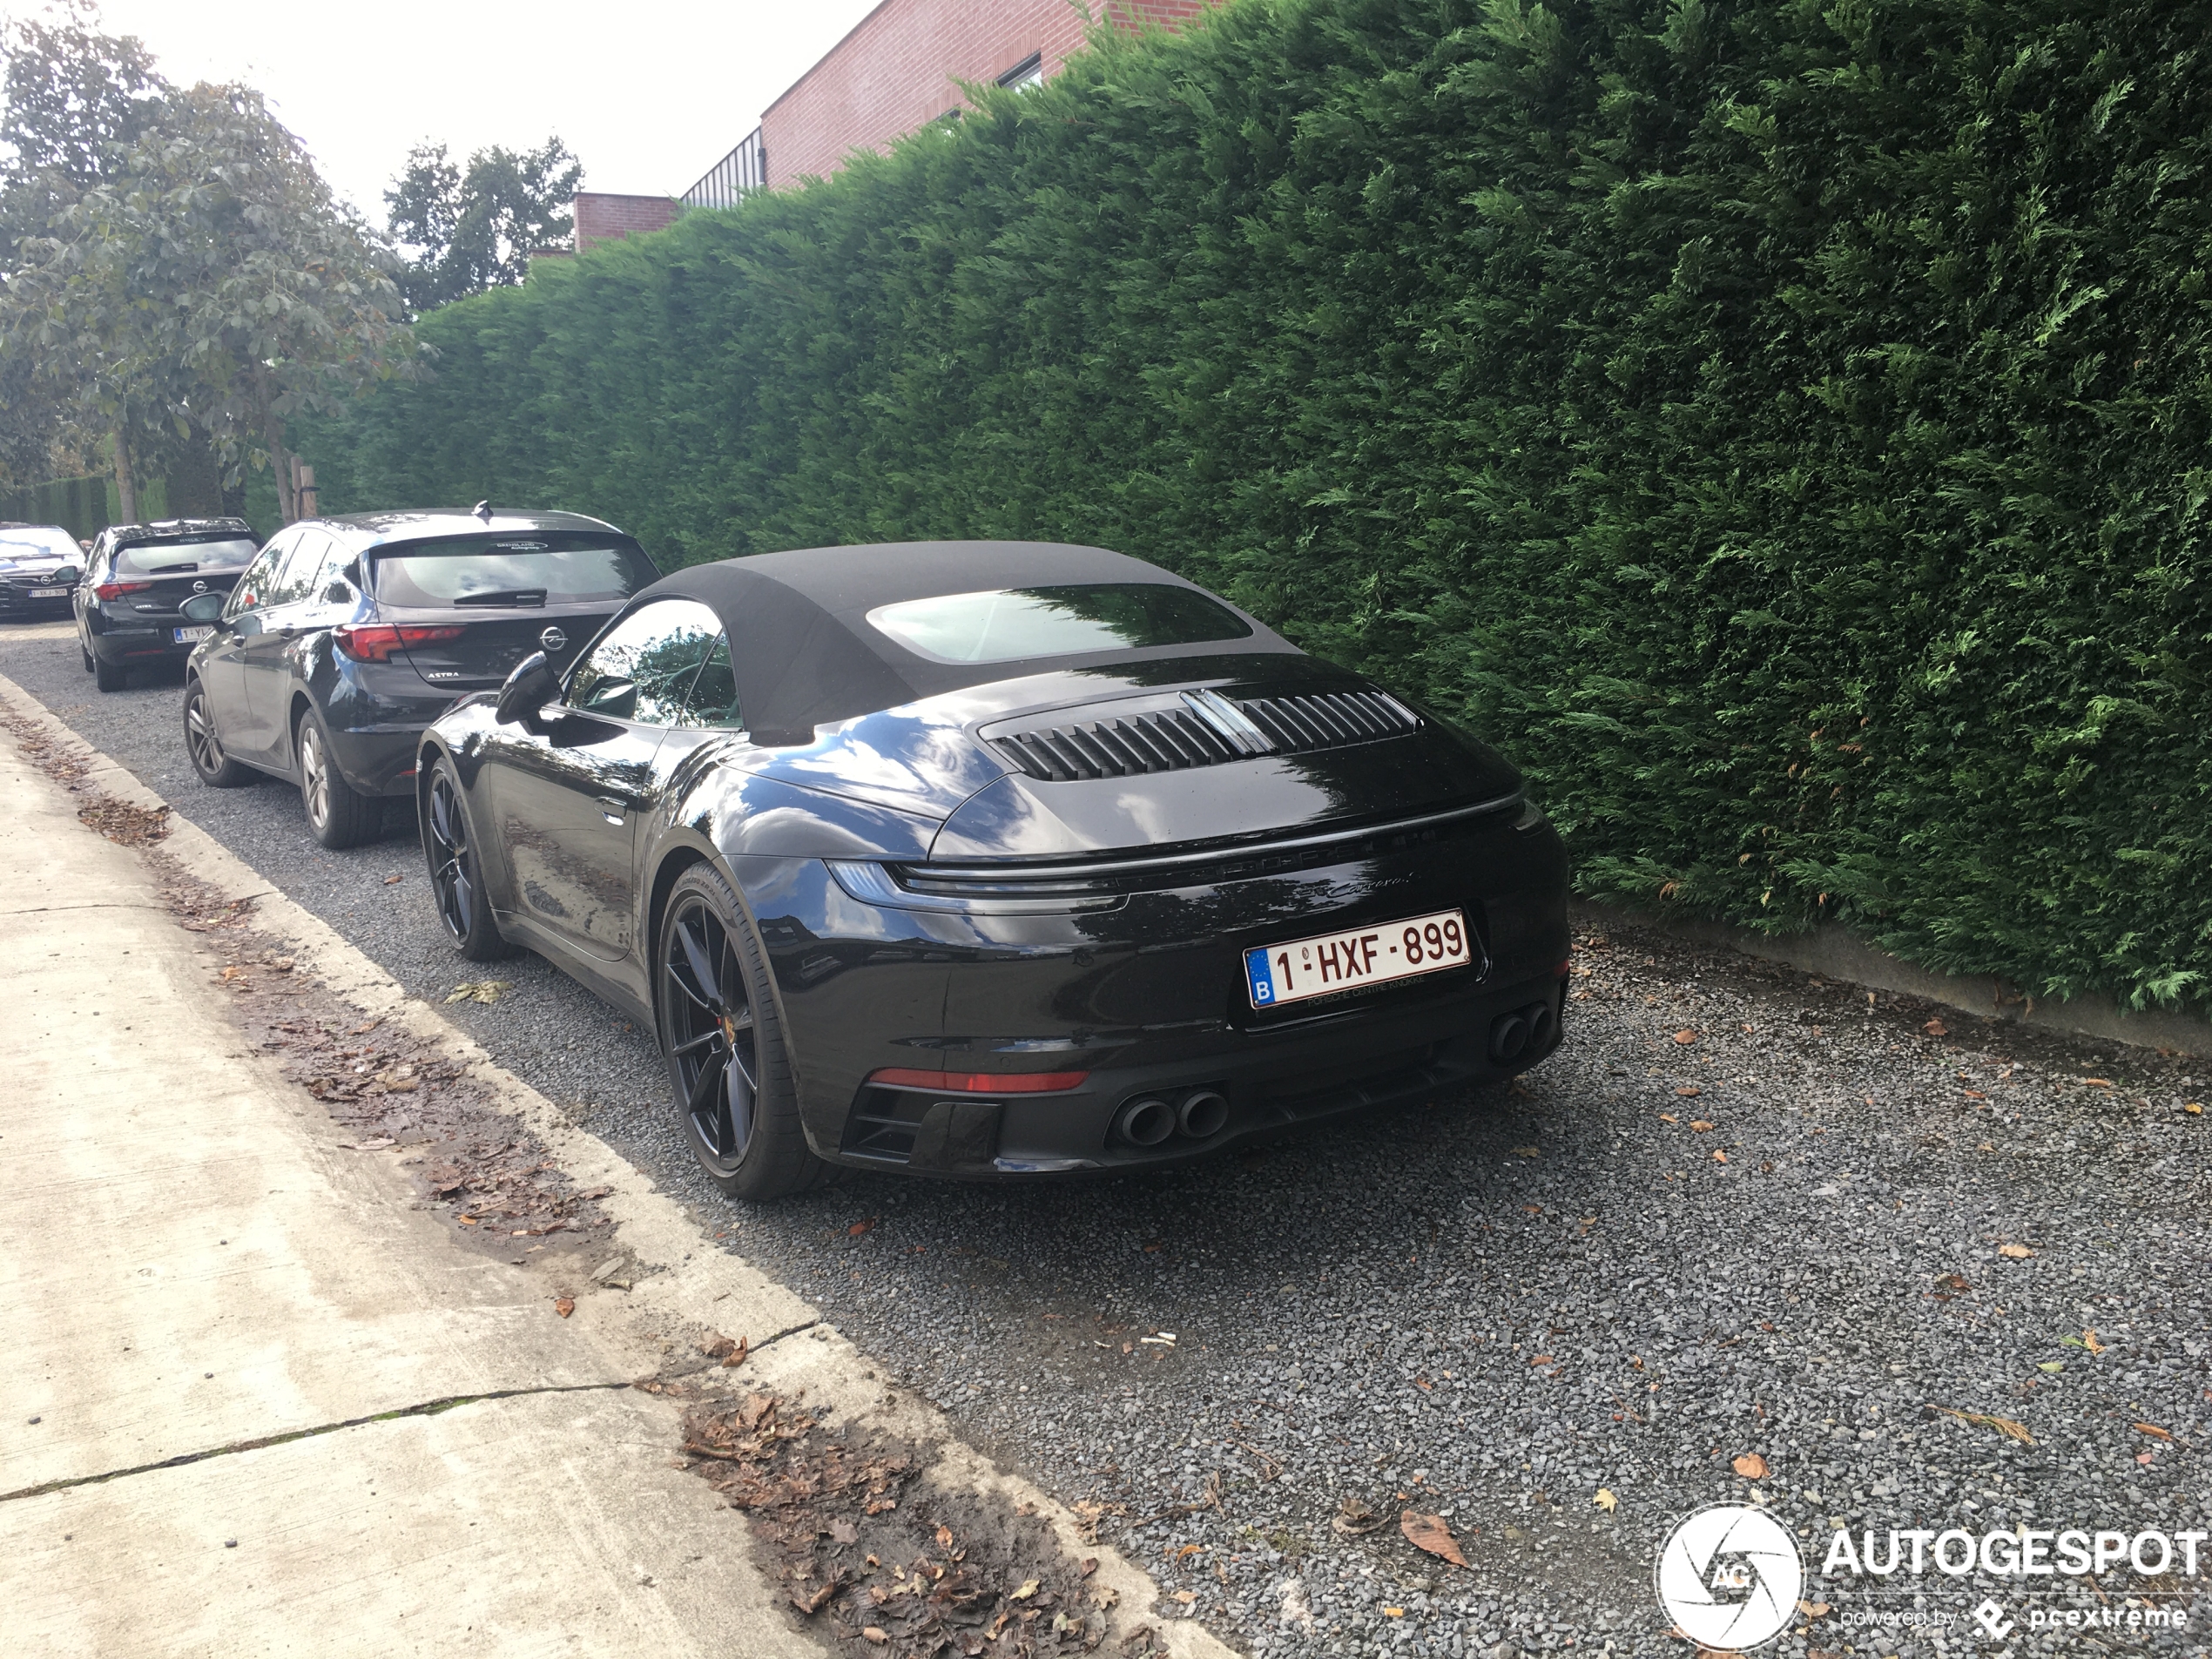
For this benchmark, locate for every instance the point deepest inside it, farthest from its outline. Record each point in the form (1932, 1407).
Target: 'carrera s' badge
(1357, 958)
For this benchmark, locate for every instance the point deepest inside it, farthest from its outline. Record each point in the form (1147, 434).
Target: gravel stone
(1492, 1306)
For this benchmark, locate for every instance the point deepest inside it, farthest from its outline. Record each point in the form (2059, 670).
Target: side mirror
(530, 688)
(204, 607)
(67, 576)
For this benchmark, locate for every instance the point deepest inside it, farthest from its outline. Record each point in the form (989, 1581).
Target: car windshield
(512, 570)
(27, 543)
(185, 558)
(1009, 624)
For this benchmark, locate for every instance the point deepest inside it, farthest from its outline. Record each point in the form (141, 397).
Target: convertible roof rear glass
(1008, 624)
(550, 568)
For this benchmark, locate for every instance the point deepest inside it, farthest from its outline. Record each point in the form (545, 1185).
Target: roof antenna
(482, 509)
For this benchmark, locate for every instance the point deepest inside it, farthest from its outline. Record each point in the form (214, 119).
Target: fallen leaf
(1720, 1157)
(2089, 1341)
(944, 1537)
(1953, 1281)
(1751, 1466)
(1606, 1500)
(1388, 1612)
(1424, 1384)
(1669, 1118)
(1813, 1609)
(2052, 1365)
(860, 1227)
(2004, 1426)
(1975, 1094)
(844, 1532)
(2152, 1428)
(484, 990)
(1528, 1151)
(1690, 1091)
(1353, 1518)
(1089, 1565)
(1186, 1596)
(2097, 1082)
(1189, 1550)
(1104, 1596)
(2194, 1108)
(1936, 1028)
(735, 1357)
(1699, 1125)
(1685, 1036)
(2018, 1253)
(1541, 1359)
(1429, 1532)
(393, 880)
(1028, 1588)
(876, 1633)
(2143, 1457)
(565, 1306)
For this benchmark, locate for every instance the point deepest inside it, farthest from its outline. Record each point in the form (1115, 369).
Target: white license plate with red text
(1357, 958)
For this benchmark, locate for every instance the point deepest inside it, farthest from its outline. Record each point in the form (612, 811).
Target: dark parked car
(996, 859)
(39, 565)
(346, 637)
(136, 579)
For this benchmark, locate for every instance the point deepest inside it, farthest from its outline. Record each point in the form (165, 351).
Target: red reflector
(1561, 971)
(981, 1083)
(377, 643)
(116, 590)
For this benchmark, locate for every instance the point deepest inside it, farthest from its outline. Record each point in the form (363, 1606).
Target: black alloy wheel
(724, 1049)
(456, 881)
(215, 769)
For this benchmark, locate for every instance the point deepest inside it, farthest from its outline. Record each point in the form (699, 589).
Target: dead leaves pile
(888, 1579)
(124, 824)
(502, 1183)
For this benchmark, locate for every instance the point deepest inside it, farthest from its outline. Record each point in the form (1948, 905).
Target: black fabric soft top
(806, 655)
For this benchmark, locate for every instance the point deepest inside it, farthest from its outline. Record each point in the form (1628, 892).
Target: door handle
(611, 809)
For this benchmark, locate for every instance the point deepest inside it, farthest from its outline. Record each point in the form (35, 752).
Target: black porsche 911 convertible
(996, 859)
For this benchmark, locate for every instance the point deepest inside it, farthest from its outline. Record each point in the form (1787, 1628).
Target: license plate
(1357, 958)
(191, 636)
(49, 593)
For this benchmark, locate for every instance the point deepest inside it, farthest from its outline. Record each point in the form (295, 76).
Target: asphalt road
(1742, 1214)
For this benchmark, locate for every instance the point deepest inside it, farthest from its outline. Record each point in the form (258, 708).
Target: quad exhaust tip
(1204, 1115)
(1146, 1122)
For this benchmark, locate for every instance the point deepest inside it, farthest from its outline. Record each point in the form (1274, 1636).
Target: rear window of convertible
(1010, 623)
(511, 570)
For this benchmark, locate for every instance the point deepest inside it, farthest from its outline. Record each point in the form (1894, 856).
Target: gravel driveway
(1743, 1214)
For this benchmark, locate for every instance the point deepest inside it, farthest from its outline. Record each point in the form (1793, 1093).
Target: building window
(1024, 75)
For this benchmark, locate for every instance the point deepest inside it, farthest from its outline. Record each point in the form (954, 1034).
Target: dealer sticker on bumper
(1357, 958)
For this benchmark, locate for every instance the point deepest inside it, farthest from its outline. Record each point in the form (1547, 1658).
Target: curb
(1836, 953)
(689, 1284)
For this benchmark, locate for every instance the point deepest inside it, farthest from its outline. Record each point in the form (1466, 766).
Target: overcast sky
(648, 96)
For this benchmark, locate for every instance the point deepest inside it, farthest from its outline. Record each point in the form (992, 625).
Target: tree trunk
(126, 492)
(280, 457)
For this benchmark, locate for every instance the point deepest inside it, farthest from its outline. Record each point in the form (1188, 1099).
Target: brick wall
(600, 217)
(896, 72)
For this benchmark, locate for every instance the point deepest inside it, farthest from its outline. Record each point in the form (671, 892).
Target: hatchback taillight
(116, 590)
(376, 643)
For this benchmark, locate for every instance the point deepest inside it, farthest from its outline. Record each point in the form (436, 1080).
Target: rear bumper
(379, 759)
(112, 645)
(1147, 999)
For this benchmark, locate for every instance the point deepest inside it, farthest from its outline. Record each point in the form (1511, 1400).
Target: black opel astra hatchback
(345, 636)
(997, 860)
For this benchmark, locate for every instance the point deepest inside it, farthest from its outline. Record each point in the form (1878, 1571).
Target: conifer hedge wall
(1781, 425)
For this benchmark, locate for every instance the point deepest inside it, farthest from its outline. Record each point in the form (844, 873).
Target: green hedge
(1781, 426)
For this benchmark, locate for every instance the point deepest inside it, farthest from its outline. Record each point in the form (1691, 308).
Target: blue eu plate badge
(1263, 982)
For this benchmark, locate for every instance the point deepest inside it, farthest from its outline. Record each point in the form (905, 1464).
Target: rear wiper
(172, 570)
(507, 596)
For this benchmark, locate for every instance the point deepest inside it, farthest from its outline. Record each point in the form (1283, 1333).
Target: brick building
(603, 217)
(900, 67)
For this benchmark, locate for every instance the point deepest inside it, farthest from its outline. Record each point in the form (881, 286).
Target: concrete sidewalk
(190, 1259)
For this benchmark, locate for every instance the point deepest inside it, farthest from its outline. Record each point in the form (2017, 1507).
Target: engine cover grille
(1200, 729)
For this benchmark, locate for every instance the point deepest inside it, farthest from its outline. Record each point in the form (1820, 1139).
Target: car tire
(736, 1104)
(456, 872)
(110, 676)
(205, 746)
(85, 651)
(339, 815)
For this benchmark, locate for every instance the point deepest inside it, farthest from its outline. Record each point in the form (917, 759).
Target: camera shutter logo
(1730, 1576)
(552, 639)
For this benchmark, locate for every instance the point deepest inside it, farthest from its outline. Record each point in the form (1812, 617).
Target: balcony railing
(735, 176)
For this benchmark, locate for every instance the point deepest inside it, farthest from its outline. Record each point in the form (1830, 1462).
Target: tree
(476, 229)
(202, 282)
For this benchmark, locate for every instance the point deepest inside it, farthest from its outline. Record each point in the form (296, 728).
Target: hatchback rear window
(1009, 624)
(185, 558)
(511, 570)
(36, 542)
